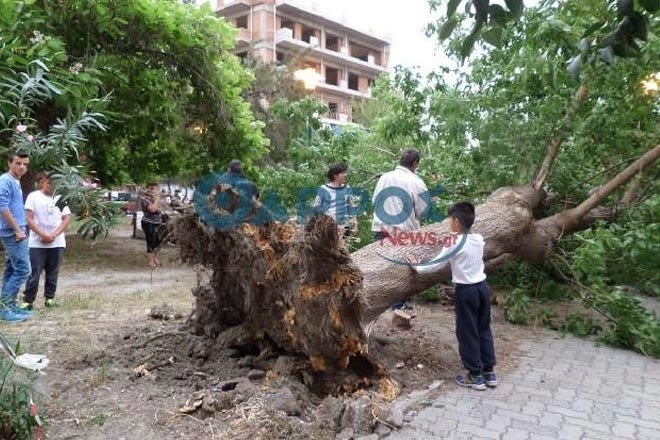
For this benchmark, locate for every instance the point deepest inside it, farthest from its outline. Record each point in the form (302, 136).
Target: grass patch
(101, 375)
(117, 251)
(95, 299)
(100, 418)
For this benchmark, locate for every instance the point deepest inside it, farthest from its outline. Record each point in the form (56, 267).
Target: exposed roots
(294, 289)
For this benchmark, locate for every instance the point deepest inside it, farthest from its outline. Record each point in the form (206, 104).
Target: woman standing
(152, 221)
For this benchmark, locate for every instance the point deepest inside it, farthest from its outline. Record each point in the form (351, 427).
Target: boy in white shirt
(47, 224)
(472, 298)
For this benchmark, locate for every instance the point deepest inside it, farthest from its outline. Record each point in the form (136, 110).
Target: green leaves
(490, 23)
(625, 7)
(628, 26)
(632, 26)
(607, 54)
(451, 7)
(638, 26)
(574, 66)
(498, 15)
(493, 36)
(516, 7)
(168, 69)
(651, 6)
(481, 10)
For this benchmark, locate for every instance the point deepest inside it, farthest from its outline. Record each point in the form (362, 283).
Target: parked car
(123, 196)
(129, 207)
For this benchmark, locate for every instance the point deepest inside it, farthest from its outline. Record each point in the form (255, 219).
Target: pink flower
(30, 138)
(21, 128)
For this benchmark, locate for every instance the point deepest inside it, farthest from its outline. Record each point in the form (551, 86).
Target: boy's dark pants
(43, 259)
(475, 339)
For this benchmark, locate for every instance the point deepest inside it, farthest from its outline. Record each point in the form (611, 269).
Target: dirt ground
(118, 373)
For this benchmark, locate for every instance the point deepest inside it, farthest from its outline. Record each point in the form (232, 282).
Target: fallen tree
(508, 224)
(274, 288)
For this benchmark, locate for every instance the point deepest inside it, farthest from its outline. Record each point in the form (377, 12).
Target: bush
(16, 421)
(517, 307)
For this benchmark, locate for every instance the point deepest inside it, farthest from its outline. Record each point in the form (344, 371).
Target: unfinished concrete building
(346, 61)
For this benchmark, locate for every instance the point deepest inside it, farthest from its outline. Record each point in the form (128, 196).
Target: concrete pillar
(363, 84)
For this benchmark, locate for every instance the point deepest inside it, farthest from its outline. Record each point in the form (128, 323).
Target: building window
(331, 76)
(333, 109)
(353, 80)
(332, 43)
(359, 52)
(243, 56)
(241, 22)
(280, 57)
(287, 24)
(308, 33)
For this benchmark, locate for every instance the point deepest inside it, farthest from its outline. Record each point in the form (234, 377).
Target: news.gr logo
(221, 210)
(448, 242)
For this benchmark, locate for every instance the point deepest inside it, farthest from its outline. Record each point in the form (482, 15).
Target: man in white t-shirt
(400, 200)
(47, 224)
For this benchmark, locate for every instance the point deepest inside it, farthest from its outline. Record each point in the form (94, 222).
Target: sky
(402, 23)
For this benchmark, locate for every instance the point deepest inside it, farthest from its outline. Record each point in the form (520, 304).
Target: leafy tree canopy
(175, 104)
(617, 33)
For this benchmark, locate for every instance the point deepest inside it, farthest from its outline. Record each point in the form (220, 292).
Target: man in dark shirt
(234, 177)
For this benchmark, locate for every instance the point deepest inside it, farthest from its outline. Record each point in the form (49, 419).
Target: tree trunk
(506, 222)
(299, 291)
(503, 220)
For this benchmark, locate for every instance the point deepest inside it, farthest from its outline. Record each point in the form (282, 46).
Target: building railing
(286, 34)
(337, 116)
(244, 34)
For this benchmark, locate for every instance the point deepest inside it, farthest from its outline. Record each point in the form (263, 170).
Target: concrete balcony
(243, 35)
(284, 34)
(343, 91)
(284, 39)
(336, 117)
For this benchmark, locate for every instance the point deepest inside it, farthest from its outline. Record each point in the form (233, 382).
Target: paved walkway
(564, 388)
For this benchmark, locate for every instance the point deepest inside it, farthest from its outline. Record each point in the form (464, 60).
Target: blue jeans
(17, 269)
(48, 259)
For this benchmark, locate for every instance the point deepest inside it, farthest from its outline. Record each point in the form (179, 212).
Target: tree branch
(581, 183)
(499, 260)
(556, 142)
(620, 179)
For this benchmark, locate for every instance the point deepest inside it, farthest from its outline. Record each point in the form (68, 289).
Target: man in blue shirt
(13, 233)
(335, 199)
